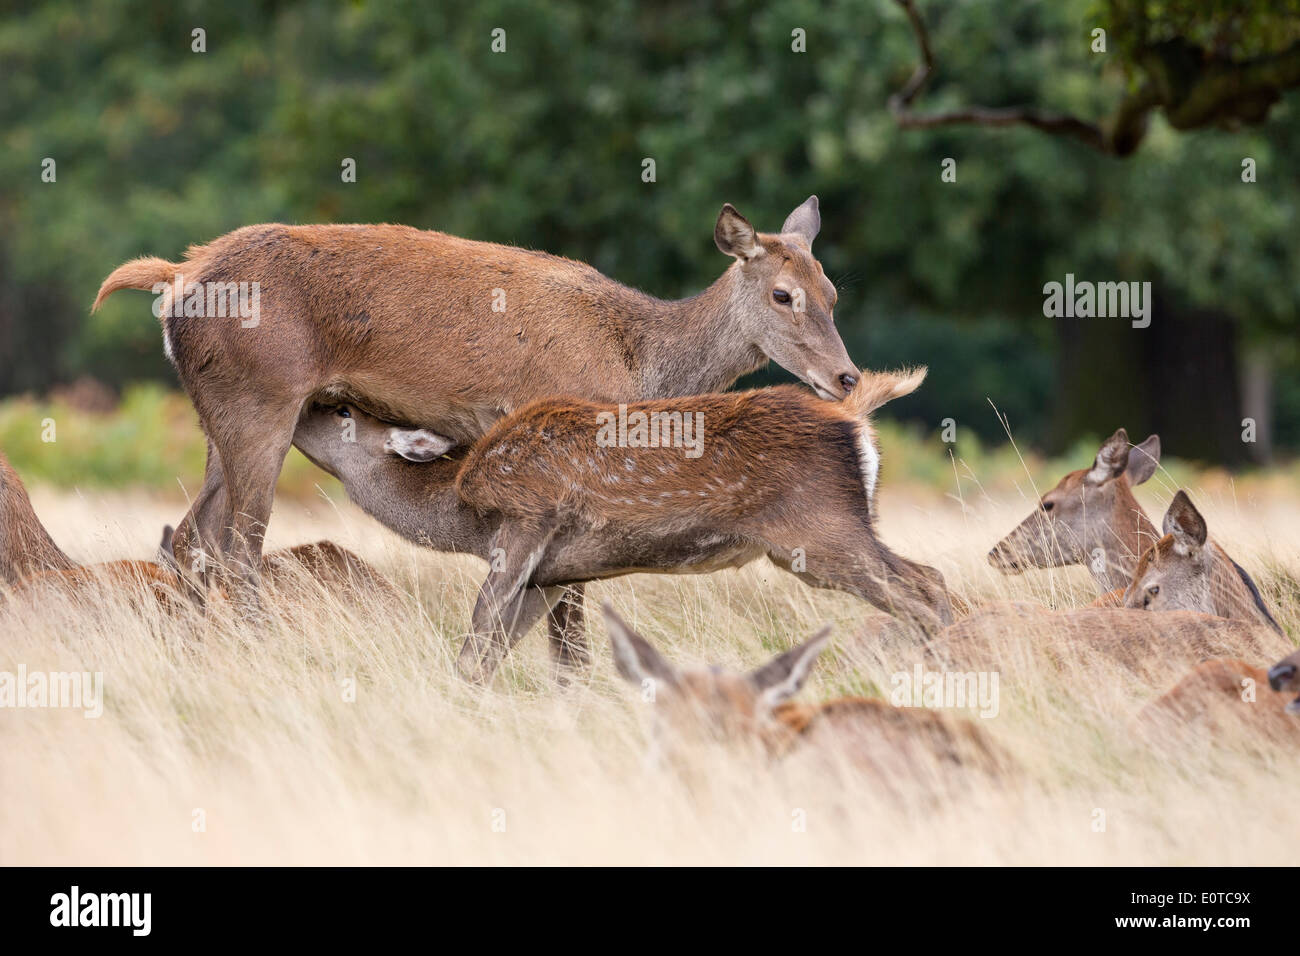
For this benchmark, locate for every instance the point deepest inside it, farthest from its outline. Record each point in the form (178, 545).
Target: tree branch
(1193, 92)
(900, 103)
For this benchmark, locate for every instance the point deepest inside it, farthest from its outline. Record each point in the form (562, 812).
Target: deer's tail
(876, 388)
(142, 273)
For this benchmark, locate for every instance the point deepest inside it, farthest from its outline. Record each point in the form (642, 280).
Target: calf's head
(1175, 573)
(699, 708)
(782, 299)
(335, 436)
(1083, 512)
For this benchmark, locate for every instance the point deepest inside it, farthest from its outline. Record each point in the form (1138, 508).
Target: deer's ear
(634, 656)
(417, 444)
(781, 677)
(1112, 459)
(1142, 460)
(806, 220)
(166, 550)
(735, 236)
(1185, 523)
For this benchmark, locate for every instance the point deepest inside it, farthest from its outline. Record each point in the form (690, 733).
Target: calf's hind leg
(506, 606)
(856, 562)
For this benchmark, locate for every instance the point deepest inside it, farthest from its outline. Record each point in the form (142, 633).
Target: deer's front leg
(567, 628)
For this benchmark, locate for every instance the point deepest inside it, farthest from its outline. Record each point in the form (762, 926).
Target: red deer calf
(774, 472)
(451, 334)
(704, 707)
(1184, 571)
(1089, 518)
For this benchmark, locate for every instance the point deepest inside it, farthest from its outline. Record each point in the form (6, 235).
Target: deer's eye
(343, 411)
(1153, 590)
(1048, 505)
(780, 295)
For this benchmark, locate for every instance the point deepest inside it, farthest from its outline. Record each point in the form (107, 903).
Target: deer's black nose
(1280, 675)
(847, 381)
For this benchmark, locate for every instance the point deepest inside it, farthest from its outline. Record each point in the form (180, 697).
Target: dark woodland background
(158, 147)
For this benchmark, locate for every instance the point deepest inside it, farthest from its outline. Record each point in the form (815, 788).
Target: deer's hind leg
(507, 606)
(846, 556)
(197, 538)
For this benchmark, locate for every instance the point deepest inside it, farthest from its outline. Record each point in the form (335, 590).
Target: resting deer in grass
(1210, 607)
(451, 334)
(31, 562)
(1228, 695)
(778, 473)
(1184, 570)
(753, 711)
(1089, 518)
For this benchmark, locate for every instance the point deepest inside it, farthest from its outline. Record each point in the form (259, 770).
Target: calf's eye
(780, 295)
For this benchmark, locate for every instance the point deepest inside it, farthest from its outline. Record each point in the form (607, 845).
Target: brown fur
(1148, 645)
(128, 576)
(1113, 598)
(402, 322)
(1223, 696)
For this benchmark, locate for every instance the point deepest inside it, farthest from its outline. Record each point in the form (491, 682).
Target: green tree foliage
(158, 147)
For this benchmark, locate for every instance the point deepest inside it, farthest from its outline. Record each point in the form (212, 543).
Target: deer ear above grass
(1143, 459)
(1185, 523)
(1112, 458)
(780, 678)
(735, 236)
(806, 220)
(634, 656)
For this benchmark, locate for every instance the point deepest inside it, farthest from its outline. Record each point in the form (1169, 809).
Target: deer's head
(338, 435)
(1083, 513)
(783, 300)
(696, 709)
(1176, 573)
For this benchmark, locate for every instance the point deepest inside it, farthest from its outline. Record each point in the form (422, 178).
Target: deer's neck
(418, 502)
(696, 345)
(1130, 532)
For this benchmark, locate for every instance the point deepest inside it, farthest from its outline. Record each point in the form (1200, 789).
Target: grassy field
(220, 743)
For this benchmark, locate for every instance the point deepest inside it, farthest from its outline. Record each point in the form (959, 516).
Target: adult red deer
(451, 334)
(778, 473)
(1089, 518)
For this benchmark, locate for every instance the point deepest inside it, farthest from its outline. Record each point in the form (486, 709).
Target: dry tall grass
(249, 732)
